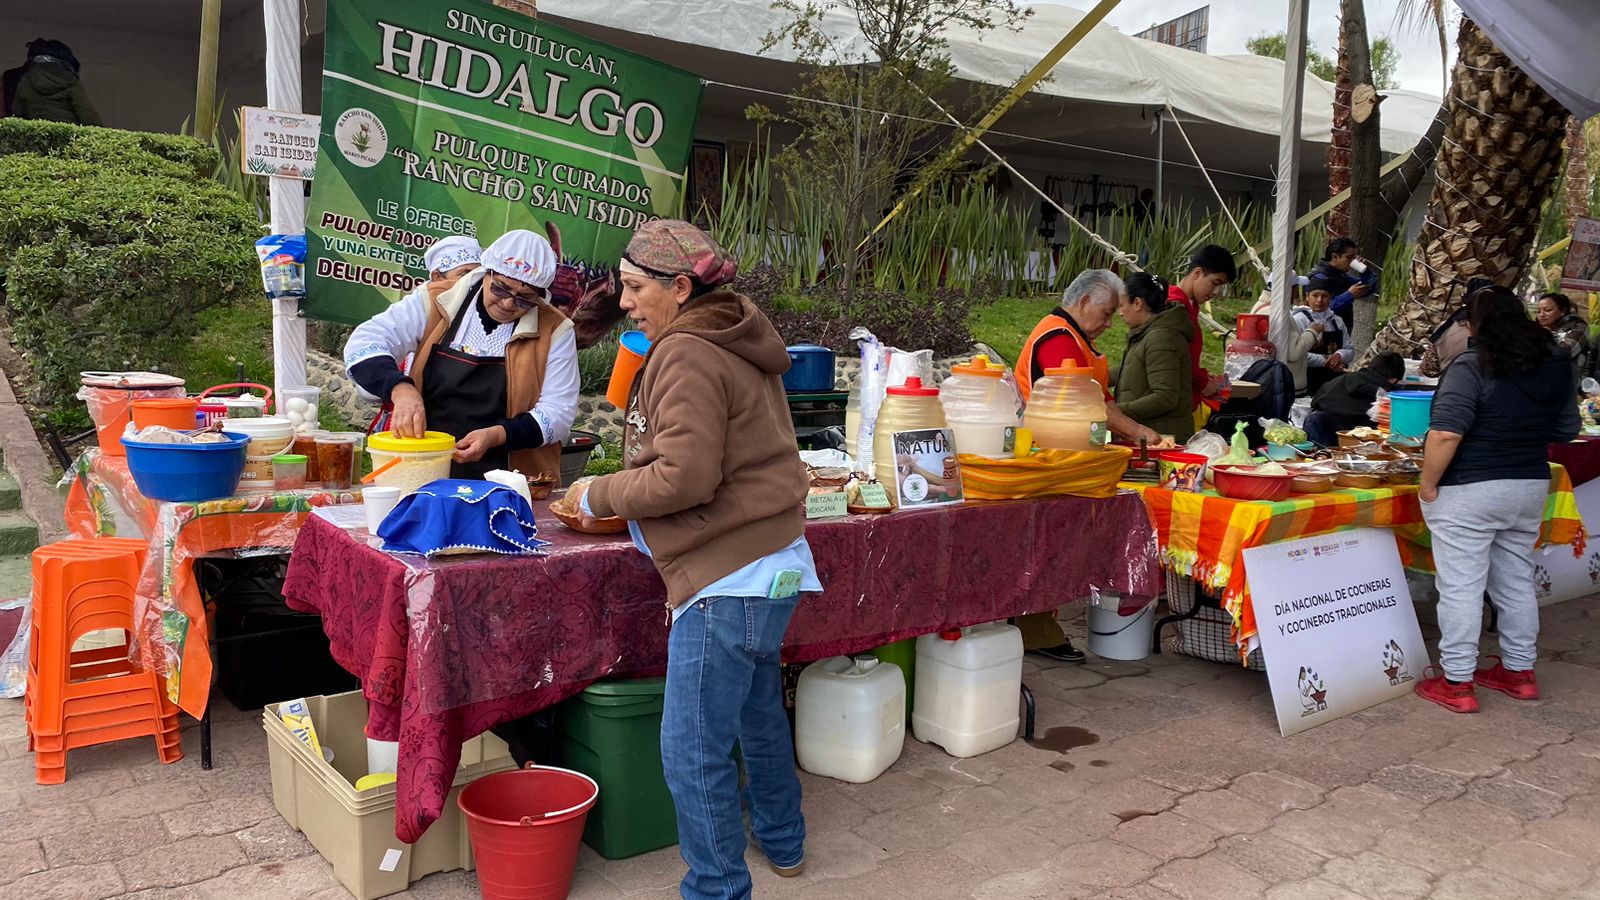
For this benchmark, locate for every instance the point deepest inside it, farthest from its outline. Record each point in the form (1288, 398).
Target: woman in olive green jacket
(1154, 384)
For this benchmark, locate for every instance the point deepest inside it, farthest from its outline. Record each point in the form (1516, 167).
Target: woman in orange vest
(1067, 333)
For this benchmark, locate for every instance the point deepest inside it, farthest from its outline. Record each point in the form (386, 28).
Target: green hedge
(112, 242)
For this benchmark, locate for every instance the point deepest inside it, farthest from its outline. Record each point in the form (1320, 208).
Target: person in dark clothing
(1485, 479)
(1342, 403)
(1348, 277)
(1559, 315)
(50, 89)
(13, 77)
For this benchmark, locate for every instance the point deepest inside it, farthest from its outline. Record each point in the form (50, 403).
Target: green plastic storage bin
(903, 654)
(612, 733)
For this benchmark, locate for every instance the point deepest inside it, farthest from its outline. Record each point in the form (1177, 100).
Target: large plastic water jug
(983, 409)
(849, 718)
(1067, 410)
(906, 407)
(968, 684)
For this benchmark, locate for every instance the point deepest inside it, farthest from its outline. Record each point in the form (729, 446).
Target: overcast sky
(1235, 21)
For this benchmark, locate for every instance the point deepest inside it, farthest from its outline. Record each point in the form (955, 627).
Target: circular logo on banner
(361, 137)
(915, 488)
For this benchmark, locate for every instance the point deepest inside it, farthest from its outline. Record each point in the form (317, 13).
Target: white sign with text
(279, 144)
(1336, 623)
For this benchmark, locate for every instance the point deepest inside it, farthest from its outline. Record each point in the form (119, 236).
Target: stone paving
(1181, 788)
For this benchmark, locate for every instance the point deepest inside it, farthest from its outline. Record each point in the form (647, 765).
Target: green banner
(442, 119)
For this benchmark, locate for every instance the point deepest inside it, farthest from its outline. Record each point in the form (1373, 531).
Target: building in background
(1188, 31)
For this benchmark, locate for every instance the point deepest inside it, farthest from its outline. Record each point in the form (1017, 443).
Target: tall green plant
(230, 151)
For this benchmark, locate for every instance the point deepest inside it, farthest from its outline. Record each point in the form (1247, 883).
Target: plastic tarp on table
(450, 648)
(1108, 67)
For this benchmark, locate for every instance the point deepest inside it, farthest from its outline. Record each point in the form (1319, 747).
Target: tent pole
(287, 194)
(1161, 158)
(1283, 232)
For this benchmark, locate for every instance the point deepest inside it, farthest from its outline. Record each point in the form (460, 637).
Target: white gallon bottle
(849, 718)
(967, 697)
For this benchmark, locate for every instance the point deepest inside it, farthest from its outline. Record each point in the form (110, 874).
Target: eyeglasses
(527, 300)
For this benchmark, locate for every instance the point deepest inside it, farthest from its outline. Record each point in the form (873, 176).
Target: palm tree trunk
(1339, 147)
(1577, 172)
(1501, 150)
(1369, 221)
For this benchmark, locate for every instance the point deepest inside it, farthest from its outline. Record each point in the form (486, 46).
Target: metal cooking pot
(810, 369)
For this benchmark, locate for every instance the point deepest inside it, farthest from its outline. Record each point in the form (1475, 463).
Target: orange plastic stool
(79, 698)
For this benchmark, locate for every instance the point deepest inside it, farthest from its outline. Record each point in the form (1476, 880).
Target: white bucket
(1115, 636)
(269, 436)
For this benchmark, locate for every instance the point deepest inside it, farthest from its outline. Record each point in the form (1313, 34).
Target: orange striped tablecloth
(1204, 536)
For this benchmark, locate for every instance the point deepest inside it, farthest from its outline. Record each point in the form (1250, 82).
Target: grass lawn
(1005, 324)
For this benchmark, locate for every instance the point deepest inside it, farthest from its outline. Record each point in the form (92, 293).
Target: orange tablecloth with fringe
(1204, 536)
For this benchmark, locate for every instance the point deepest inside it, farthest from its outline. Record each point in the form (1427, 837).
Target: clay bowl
(1361, 480)
(567, 514)
(1312, 484)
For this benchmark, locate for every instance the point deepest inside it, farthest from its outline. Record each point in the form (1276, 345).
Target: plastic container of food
(421, 459)
(1245, 483)
(177, 413)
(1067, 410)
(289, 472)
(982, 408)
(187, 473)
(305, 444)
(337, 453)
(912, 406)
(269, 436)
(301, 406)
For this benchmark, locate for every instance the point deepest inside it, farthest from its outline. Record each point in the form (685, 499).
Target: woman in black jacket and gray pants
(1485, 477)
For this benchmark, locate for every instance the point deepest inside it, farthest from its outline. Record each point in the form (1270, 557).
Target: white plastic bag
(14, 661)
(881, 368)
(1208, 444)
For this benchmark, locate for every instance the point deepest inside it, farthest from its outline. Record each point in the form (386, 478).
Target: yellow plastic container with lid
(982, 407)
(1067, 410)
(912, 406)
(421, 460)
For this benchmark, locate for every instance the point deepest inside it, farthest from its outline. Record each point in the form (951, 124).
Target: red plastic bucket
(525, 828)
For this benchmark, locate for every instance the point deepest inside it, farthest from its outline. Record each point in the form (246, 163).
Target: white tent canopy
(1554, 41)
(1108, 68)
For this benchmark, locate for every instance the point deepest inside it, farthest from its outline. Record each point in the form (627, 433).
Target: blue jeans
(724, 685)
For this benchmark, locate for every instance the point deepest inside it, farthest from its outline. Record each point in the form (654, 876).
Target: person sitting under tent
(1346, 401)
(1348, 277)
(1329, 349)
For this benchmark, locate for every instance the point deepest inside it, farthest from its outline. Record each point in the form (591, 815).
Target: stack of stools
(95, 696)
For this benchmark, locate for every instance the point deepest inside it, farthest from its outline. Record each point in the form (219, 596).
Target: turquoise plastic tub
(1409, 412)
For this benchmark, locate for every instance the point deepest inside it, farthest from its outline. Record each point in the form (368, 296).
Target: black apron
(463, 393)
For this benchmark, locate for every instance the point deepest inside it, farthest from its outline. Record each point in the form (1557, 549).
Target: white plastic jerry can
(849, 718)
(966, 700)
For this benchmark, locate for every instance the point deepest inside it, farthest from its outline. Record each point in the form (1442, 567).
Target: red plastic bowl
(1242, 483)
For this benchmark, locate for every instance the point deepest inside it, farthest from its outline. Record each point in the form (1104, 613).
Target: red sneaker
(1518, 685)
(1460, 698)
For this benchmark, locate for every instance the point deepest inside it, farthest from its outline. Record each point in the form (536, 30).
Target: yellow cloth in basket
(1078, 473)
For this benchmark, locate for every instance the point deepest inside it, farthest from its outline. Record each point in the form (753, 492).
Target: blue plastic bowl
(187, 473)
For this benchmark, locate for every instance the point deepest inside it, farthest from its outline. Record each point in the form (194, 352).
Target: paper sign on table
(827, 506)
(925, 470)
(1336, 622)
(874, 496)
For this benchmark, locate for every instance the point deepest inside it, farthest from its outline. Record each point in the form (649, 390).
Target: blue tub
(1409, 412)
(187, 473)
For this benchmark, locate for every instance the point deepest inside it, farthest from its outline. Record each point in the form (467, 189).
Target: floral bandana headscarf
(452, 252)
(523, 256)
(666, 247)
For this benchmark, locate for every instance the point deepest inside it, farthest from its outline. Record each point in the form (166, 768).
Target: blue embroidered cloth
(455, 514)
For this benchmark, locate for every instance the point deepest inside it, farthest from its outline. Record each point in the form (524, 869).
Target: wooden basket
(568, 515)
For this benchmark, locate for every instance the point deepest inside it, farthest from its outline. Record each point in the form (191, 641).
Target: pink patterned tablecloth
(448, 649)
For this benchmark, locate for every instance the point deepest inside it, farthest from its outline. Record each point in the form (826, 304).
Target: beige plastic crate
(354, 830)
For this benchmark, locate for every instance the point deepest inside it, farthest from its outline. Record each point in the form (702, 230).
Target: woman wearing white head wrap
(452, 257)
(495, 364)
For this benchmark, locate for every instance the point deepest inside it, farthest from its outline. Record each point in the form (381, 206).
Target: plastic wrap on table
(171, 635)
(14, 659)
(111, 404)
(1208, 444)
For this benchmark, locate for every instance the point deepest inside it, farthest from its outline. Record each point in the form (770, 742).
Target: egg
(296, 418)
(311, 412)
(298, 405)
